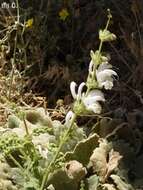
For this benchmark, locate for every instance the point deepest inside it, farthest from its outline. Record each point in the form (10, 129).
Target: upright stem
(101, 42)
(109, 18)
(47, 172)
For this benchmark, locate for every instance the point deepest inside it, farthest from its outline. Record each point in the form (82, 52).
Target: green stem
(100, 47)
(16, 162)
(109, 18)
(101, 42)
(25, 172)
(47, 172)
(99, 51)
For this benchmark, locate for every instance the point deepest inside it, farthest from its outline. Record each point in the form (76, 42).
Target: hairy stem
(52, 163)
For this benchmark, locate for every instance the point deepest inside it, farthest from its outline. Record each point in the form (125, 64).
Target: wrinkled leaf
(75, 170)
(98, 160)
(121, 185)
(107, 186)
(61, 181)
(104, 160)
(83, 150)
(106, 126)
(126, 151)
(39, 117)
(114, 158)
(13, 121)
(93, 182)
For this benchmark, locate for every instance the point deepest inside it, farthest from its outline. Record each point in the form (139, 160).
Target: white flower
(104, 75)
(77, 95)
(91, 101)
(69, 118)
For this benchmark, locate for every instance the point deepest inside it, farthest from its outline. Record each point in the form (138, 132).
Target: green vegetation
(83, 135)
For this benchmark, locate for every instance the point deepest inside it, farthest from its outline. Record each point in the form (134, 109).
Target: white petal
(107, 72)
(96, 108)
(105, 75)
(68, 118)
(102, 81)
(90, 101)
(108, 85)
(91, 66)
(105, 58)
(72, 88)
(80, 89)
(94, 93)
(93, 97)
(104, 66)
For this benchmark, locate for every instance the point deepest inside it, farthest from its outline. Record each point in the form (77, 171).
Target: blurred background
(54, 48)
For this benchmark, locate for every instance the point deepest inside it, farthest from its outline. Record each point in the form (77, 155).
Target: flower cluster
(86, 101)
(104, 75)
(100, 76)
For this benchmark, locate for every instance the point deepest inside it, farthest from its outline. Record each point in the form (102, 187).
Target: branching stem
(52, 163)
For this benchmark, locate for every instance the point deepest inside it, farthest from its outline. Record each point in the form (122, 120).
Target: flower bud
(96, 57)
(106, 36)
